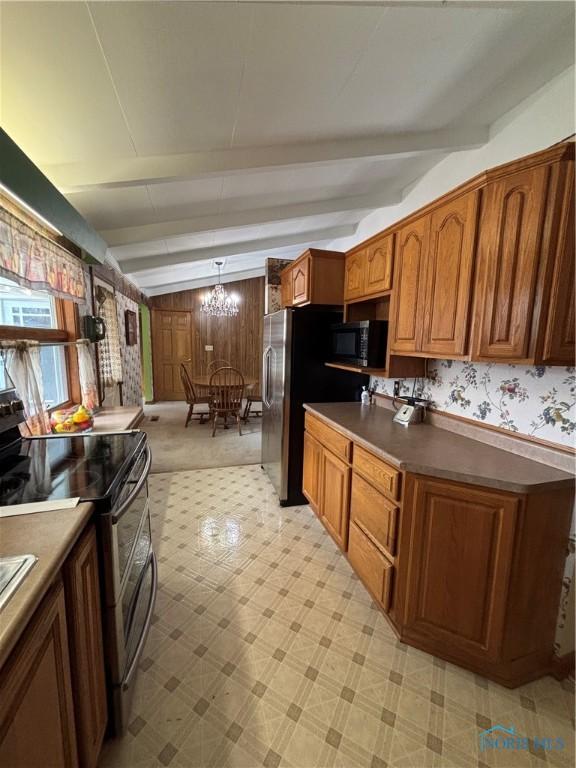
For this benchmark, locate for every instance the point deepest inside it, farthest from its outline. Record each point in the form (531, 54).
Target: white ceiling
(190, 131)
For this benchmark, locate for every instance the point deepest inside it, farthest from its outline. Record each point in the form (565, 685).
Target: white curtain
(22, 363)
(109, 352)
(87, 374)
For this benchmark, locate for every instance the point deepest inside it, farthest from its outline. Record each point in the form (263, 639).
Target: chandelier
(218, 302)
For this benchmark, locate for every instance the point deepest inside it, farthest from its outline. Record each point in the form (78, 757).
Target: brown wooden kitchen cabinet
(311, 471)
(447, 294)
(335, 497)
(36, 708)
(86, 649)
(469, 573)
(473, 585)
(316, 277)
(511, 232)
(369, 270)
(409, 272)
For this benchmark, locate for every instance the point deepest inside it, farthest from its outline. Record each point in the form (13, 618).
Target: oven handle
(134, 664)
(145, 472)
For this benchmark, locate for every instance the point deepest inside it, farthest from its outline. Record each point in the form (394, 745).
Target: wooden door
(286, 288)
(36, 710)
(411, 251)
(379, 264)
(84, 616)
(456, 551)
(510, 240)
(559, 339)
(335, 497)
(301, 281)
(311, 471)
(171, 346)
(354, 269)
(448, 283)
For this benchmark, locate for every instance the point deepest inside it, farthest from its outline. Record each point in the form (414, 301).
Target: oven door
(139, 626)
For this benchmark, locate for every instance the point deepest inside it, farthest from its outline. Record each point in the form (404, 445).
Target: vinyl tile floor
(265, 650)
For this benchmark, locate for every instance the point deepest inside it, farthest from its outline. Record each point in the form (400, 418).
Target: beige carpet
(176, 449)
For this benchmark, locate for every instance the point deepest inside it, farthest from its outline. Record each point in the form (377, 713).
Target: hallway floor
(267, 651)
(175, 448)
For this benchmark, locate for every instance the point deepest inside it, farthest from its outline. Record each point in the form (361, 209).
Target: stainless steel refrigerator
(295, 347)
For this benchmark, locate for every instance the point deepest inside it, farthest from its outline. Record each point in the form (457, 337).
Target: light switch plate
(209, 348)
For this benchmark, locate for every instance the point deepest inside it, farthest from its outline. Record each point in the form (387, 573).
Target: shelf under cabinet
(358, 369)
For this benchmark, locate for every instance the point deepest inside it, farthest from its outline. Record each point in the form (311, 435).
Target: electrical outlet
(396, 389)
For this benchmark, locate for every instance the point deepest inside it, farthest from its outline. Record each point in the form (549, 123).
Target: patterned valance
(31, 260)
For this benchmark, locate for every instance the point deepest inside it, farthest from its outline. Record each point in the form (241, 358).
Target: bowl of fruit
(69, 420)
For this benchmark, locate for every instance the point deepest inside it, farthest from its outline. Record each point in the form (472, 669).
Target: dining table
(202, 381)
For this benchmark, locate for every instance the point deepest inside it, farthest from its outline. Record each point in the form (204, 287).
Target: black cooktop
(91, 466)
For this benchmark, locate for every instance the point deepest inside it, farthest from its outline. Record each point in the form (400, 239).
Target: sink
(13, 571)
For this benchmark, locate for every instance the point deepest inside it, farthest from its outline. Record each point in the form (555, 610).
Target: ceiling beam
(138, 171)
(250, 218)
(305, 239)
(203, 282)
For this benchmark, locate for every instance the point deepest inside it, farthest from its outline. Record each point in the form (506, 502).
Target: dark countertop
(427, 450)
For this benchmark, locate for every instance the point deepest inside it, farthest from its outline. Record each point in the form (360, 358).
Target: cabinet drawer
(370, 565)
(374, 513)
(329, 437)
(380, 474)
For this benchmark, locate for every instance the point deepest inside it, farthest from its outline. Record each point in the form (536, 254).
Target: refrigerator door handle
(266, 387)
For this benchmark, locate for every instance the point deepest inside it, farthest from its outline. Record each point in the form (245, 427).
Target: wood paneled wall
(237, 339)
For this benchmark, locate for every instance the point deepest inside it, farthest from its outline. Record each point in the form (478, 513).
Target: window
(24, 308)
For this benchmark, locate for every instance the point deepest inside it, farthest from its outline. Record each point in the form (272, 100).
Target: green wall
(145, 328)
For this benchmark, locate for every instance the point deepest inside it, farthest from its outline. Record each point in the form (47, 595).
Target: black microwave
(361, 344)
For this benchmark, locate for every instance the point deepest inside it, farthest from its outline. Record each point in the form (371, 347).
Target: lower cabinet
(36, 709)
(374, 569)
(471, 574)
(335, 497)
(458, 546)
(53, 706)
(86, 647)
(311, 471)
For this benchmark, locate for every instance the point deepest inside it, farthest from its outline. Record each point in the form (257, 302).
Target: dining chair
(192, 398)
(252, 397)
(226, 392)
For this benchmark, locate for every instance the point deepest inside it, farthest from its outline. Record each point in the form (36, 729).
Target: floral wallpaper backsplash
(535, 401)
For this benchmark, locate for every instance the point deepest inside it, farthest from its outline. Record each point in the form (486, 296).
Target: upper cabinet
(411, 250)
(448, 282)
(510, 255)
(316, 277)
(369, 270)
(487, 271)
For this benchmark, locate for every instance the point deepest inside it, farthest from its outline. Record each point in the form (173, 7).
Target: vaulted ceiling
(192, 131)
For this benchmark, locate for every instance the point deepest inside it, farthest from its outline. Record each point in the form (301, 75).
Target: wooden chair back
(227, 389)
(189, 392)
(215, 364)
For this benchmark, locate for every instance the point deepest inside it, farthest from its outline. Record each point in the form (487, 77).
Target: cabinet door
(448, 283)
(301, 281)
(354, 275)
(456, 550)
(335, 499)
(36, 711)
(286, 288)
(87, 655)
(559, 339)
(379, 264)
(510, 242)
(311, 471)
(411, 247)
